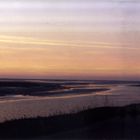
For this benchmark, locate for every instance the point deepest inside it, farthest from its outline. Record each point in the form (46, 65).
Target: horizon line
(64, 79)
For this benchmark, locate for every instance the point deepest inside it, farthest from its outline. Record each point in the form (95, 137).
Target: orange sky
(87, 40)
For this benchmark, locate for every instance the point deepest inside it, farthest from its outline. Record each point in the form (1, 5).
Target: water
(72, 96)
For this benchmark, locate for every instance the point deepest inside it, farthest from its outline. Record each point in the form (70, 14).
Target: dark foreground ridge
(99, 123)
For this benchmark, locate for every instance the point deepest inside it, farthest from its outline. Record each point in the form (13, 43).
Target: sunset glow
(77, 39)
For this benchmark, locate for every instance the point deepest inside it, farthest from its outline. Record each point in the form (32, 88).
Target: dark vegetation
(99, 123)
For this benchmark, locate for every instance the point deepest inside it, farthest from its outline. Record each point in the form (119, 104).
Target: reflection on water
(71, 98)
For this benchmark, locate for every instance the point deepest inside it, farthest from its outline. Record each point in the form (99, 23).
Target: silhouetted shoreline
(98, 123)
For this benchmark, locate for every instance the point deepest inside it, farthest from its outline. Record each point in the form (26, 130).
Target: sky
(70, 39)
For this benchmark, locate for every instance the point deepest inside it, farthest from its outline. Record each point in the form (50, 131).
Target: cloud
(81, 44)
